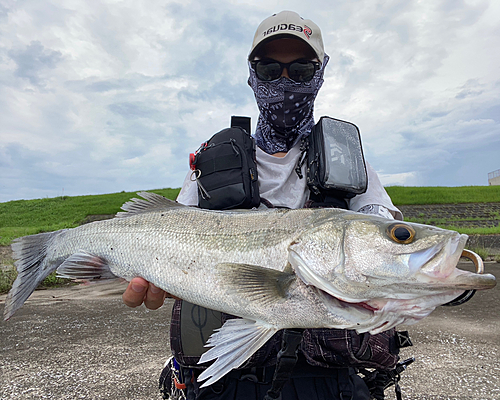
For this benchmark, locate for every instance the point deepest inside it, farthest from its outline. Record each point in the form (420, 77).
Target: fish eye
(401, 233)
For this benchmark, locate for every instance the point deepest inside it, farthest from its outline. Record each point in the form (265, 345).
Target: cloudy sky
(105, 96)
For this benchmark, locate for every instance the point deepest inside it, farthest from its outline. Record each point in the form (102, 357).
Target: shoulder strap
(286, 360)
(241, 122)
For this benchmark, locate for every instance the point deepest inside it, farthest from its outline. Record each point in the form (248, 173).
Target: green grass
(447, 224)
(7, 277)
(481, 252)
(402, 195)
(27, 217)
(472, 231)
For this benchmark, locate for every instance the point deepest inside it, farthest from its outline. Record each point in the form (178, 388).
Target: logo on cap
(307, 31)
(288, 27)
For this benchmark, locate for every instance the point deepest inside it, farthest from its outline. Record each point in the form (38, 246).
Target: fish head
(400, 271)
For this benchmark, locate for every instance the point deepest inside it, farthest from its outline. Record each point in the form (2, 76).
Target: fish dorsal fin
(150, 202)
(231, 346)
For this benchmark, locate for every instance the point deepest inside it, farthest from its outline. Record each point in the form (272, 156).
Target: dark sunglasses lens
(301, 71)
(268, 71)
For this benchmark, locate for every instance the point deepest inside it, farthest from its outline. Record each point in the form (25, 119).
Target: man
(287, 63)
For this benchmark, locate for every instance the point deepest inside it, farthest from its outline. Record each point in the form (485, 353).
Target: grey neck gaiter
(286, 110)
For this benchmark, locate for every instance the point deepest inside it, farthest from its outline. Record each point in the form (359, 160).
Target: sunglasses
(298, 70)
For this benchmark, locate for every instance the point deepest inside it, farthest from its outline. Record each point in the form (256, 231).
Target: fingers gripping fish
(276, 269)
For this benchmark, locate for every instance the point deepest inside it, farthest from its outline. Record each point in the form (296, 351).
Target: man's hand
(141, 291)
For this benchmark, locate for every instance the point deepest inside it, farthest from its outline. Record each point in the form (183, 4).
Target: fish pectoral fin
(231, 346)
(85, 266)
(255, 283)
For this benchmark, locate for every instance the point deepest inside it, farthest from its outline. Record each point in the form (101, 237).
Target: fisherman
(286, 61)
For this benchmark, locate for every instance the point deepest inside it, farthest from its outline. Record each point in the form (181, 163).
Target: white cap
(289, 24)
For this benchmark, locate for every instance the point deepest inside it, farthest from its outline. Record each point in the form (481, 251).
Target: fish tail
(32, 268)
(34, 264)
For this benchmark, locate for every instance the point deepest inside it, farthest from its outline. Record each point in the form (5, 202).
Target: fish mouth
(360, 312)
(433, 280)
(437, 265)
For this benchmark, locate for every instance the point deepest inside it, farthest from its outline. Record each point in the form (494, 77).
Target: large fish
(307, 268)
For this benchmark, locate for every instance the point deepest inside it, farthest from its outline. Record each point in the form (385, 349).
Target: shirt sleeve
(375, 195)
(376, 209)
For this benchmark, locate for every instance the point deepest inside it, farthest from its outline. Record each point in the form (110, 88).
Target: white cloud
(475, 122)
(403, 179)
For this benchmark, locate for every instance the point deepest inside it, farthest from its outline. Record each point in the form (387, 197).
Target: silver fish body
(276, 269)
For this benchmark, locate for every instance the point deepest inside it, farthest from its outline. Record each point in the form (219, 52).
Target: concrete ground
(84, 343)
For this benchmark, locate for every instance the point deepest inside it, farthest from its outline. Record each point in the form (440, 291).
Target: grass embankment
(27, 217)
(402, 195)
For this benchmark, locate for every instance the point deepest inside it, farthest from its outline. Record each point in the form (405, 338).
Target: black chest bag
(225, 169)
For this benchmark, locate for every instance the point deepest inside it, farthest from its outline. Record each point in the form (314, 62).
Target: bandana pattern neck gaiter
(286, 110)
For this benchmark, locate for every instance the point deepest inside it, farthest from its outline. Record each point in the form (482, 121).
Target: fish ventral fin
(231, 346)
(85, 266)
(150, 202)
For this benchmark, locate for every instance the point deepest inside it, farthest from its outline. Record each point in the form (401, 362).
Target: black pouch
(226, 170)
(335, 162)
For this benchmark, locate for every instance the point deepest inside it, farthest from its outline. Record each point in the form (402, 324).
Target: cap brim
(279, 36)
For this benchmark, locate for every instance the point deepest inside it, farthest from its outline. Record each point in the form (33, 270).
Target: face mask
(286, 110)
